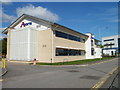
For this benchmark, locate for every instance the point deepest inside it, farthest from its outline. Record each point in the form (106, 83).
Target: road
(29, 76)
(0, 75)
(0, 67)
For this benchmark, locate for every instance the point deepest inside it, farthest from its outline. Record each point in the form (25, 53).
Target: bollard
(3, 63)
(34, 61)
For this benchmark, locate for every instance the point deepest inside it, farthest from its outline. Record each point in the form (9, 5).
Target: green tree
(101, 46)
(3, 46)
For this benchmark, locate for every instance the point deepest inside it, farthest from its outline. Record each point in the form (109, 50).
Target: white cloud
(6, 18)
(39, 12)
(6, 1)
(1, 29)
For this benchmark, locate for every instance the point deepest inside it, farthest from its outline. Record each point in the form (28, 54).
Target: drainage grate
(73, 71)
(90, 77)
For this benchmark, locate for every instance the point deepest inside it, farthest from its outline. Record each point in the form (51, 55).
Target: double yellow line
(1, 80)
(102, 62)
(104, 79)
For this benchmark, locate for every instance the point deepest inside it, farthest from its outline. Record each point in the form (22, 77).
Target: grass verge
(77, 62)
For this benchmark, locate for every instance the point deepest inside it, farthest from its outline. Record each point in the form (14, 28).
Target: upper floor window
(61, 34)
(71, 37)
(92, 43)
(67, 36)
(108, 40)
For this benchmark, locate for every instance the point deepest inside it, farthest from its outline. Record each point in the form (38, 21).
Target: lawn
(77, 62)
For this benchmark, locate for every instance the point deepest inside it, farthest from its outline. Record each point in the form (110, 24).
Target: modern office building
(30, 37)
(111, 45)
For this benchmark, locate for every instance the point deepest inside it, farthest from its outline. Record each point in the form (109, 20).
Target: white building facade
(30, 38)
(111, 45)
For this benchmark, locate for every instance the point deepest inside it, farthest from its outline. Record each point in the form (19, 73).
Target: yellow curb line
(100, 62)
(1, 80)
(104, 79)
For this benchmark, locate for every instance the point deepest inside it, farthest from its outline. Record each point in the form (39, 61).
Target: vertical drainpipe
(8, 45)
(28, 52)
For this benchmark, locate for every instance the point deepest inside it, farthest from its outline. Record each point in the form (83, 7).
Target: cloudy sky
(100, 19)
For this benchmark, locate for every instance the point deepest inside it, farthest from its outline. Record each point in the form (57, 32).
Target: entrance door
(112, 53)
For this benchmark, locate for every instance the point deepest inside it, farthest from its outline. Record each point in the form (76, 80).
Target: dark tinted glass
(68, 52)
(92, 51)
(61, 52)
(108, 40)
(67, 36)
(119, 45)
(61, 34)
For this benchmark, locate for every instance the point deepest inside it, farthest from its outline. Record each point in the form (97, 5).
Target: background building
(30, 37)
(111, 45)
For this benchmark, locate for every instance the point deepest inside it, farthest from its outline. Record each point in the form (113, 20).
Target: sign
(25, 24)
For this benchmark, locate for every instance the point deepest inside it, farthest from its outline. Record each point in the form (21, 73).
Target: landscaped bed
(77, 62)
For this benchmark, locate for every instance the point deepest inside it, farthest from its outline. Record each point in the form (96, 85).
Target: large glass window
(61, 52)
(74, 52)
(67, 36)
(71, 37)
(61, 34)
(68, 52)
(108, 40)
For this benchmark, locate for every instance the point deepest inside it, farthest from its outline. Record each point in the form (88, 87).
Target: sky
(98, 18)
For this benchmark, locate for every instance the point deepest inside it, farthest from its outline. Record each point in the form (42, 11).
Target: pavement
(113, 81)
(22, 75)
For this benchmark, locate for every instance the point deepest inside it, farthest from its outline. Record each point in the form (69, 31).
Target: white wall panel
(34, 44)
(18, 45)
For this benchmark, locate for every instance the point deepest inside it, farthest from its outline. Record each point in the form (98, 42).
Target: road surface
(29, 76)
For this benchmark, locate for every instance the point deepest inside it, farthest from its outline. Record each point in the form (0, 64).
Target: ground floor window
(61, 52)
(69, 52)
(92, 51)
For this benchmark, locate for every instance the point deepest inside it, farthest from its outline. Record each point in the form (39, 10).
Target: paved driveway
(28, 76)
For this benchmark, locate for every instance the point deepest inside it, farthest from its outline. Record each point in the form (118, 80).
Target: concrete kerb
(4, 71)
(80, 65)
(104, 79)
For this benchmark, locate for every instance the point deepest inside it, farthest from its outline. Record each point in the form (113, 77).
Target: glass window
(108, 40)
(74, 52)
(92, 44)
(61, 52)
(69, 52)
(119, 45)
(92, 51)
(67, 36)
(61, 34)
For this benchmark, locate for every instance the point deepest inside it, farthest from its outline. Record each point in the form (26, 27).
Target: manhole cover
(90, 77)
(73, 71)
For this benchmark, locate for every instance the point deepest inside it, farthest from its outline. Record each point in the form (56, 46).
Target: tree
(3, 46)
(101, 46)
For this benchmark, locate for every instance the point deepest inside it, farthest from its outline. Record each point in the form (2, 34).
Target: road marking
(104, 79)
(1, 80)
(100, 62)
(94, 63)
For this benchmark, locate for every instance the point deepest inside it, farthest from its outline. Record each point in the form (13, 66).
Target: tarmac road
(28, 76)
